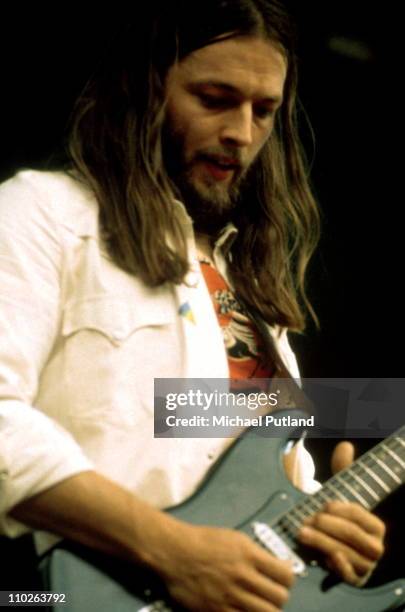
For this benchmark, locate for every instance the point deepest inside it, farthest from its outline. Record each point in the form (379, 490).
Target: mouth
(221, 168)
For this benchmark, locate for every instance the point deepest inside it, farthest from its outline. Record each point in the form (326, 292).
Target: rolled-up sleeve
(35, 452)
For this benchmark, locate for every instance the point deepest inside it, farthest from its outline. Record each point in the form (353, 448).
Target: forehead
(251, 65)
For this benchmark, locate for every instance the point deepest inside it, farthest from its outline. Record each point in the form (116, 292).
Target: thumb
(342, 456)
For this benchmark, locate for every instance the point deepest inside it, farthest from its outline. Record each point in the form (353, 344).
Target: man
(185, 172)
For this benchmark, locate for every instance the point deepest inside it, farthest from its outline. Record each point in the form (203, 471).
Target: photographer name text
(267, 420)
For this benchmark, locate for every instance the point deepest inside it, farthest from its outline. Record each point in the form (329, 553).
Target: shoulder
(56, 198)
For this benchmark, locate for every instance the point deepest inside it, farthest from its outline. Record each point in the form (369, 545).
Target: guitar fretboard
(369, 480)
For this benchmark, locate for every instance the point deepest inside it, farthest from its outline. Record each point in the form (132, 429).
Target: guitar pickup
(276, 545)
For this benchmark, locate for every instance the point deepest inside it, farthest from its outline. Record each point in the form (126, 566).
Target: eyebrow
(228, 88)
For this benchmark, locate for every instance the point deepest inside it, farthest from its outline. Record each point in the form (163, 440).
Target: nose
(237, 128)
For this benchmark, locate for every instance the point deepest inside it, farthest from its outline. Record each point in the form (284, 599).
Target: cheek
(186, 126)
(196, 138)
(260, 141)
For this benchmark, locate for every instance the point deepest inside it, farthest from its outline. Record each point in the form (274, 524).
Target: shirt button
(118, 335)
(192, 279)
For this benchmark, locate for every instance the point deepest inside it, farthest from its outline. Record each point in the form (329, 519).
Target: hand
(350, 536)
(214, 569)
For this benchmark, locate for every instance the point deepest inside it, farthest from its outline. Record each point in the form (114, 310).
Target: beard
(210, 203)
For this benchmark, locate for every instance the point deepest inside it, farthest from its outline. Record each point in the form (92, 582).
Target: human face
(222, 102)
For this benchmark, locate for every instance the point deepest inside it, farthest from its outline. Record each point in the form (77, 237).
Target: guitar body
(247, 484)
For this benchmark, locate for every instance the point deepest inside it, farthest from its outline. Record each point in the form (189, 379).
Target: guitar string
(288, 523)
(379, 476)
(339, 488)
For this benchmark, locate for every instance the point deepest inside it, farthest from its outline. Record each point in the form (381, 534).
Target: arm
(35, 452)
(221, 567)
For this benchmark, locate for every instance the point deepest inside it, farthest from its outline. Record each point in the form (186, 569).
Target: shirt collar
(225, 238)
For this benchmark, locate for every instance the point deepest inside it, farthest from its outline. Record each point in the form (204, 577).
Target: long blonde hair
(115, 145)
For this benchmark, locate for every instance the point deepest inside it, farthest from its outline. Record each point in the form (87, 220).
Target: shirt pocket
(113, 347)
(115, 318)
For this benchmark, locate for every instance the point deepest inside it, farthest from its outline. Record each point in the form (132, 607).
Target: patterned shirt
(246, 356)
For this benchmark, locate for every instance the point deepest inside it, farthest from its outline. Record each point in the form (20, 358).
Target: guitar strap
(291, 395)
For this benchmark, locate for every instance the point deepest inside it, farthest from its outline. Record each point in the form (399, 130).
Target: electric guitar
(246, 490)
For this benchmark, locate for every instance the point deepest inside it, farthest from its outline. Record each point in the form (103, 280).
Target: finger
(350, 533)
(339, 564)
(267, 589)
(275, 569)
(329, 546)
(364, 578)
(342, 456)
(359, 515)
(248, 602)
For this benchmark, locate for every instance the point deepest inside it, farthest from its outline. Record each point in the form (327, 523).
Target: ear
(342, 456)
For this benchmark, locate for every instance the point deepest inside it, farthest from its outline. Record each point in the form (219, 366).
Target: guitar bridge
(276, 545)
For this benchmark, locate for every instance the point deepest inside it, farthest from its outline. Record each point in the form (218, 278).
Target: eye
(210, 101)
(264, 112)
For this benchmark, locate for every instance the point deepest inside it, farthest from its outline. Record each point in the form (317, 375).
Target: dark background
(349, 89)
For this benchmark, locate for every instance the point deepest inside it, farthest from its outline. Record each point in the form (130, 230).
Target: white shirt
(81, 342)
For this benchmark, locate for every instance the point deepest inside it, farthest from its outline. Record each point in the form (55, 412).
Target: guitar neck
(368, 480)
